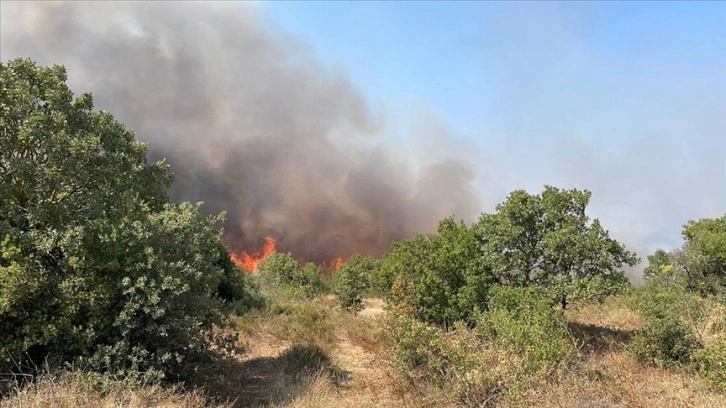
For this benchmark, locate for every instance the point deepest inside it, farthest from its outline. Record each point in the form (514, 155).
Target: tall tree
(548, 239)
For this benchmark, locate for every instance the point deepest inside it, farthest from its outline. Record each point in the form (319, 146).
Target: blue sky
(626, 99)
(448, 55)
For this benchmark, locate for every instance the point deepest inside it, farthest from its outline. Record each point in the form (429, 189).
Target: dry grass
(310, 354)
(72, 391)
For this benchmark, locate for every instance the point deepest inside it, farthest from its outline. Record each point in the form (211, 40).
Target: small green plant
(711, 363)
(421, 352)
(674, 319)
(352, 279)
(664, 342)
(523, 321)
(282, 273)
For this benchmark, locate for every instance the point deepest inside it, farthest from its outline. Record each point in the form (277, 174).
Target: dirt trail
(280, 373)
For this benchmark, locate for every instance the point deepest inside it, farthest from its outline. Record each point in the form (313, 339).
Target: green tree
(547, 239)
(706, 240)
(95, 262)
(352, 279)
(700, 265)
(441, 276)
(282, 271)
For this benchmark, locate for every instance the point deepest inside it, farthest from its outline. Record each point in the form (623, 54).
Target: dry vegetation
(311, 354)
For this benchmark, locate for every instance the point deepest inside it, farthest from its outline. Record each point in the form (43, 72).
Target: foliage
(700, 265)
(422, 352)
(674, 320)
(664, 342)
(352, 279)
(523, 321)
(282, 272)
(95, 263)
(239, 288)
(711, 363)
(304, 324)
(439, 276)
(458, 366)
(707, 237)
(547, 238)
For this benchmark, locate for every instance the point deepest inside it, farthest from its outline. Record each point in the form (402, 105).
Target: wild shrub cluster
(98, 268)
(283, 274)
(681, 304)
(354, 278)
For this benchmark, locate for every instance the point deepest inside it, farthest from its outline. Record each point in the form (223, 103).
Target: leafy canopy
(95, 262)
(441, 276)
(547, 239)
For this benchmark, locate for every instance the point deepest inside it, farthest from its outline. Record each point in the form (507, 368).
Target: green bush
(440, 277)
(352, 279)
(283, 273)
(96, 265)
(456, 366)
(523, 321)
(663, 342)
(711, 363)
(421, 351)
(673, 318)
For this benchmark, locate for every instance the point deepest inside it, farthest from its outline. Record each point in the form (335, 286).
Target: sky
(626, 99)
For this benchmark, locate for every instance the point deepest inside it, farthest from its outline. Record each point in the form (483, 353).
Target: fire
(248, 261)
(335, 263)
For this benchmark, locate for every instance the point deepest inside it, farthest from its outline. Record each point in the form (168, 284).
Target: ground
(311, 354)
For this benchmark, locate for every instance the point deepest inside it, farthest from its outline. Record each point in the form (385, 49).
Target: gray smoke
(250, 122)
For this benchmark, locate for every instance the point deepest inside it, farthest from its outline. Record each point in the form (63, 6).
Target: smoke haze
(248, 119)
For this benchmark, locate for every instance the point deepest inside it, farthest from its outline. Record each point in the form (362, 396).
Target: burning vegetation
(248, 261)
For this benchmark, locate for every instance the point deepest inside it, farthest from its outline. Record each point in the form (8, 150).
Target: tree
(95, 262)
(548, 239)
(352, 278)
(706, 238)
(282, 271)
(700, 265)
(441, 276)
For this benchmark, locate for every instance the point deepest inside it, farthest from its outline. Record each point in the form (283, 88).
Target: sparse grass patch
(78, 390)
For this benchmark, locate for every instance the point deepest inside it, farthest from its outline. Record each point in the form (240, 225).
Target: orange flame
(248, 261)
(335, 263)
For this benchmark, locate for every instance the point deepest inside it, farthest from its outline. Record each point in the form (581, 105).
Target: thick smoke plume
(250, 122)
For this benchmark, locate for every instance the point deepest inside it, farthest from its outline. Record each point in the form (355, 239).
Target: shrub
(96, 265)
(663, 342)
(352, 279)
(454, 366)
(304, 324)
(673, 321)
(239, 288)
(440, 276)
(421, 351)
(711, 363)
(523, 321)
(283, 273)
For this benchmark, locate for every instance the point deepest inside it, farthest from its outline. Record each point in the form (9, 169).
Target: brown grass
(311, 354)
(67, 391)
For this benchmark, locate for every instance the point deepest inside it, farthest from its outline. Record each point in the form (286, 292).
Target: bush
(440, 277)
(711, 363)
(673, 320)
(239, 288)
(97, 267)
(454, 366)
(303, 324)
(523, 321)
(421, 351)
(663, 342)
(352, 279)
(282, 272)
